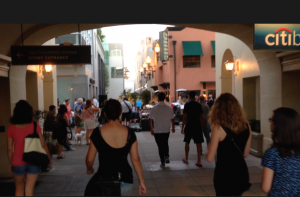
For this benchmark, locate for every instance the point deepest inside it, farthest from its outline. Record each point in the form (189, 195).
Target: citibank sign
(277, 37)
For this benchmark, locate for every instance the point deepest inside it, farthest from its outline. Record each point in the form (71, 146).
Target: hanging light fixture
(145, 65)
(157, 50)
(48, 68)
(229, 65)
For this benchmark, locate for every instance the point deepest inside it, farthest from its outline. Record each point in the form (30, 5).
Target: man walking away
(126, 107)
(206, 129)
(210, 101)
(193, 117)
(162, 113)
(78, 118)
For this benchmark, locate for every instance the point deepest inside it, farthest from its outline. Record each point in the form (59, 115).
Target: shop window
(115, 52)
(213, 61)
(191, 61)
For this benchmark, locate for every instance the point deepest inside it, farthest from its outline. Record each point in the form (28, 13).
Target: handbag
(34, 153)
(106, 186)
(130, 112)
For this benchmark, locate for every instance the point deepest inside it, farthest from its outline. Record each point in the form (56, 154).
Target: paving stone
(182, 191)
(175, 182)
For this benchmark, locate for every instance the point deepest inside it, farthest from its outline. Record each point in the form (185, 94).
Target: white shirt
(162, 114)
(124, 107)
(96, 102)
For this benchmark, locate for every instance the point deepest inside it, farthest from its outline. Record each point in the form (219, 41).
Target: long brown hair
(228, 112)
(88, 104)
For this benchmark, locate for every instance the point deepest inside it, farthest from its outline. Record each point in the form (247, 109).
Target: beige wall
(32, 89)
(250, 99)
(291, 90)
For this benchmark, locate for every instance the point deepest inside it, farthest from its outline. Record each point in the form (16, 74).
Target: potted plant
(257, 138)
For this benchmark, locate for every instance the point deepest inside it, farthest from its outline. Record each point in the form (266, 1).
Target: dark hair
(202, 98)
(88, 104)
(112, 109)
(62, 110)
(125, 99)
(286, 134)
(66, 100)
(51, 107)
(161, 96)
(23, 113)
(167, 99)
(192, 94)
(83, 99)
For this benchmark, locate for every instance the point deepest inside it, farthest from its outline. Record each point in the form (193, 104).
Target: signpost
(55, 55)
(277, 37)
(164, 46)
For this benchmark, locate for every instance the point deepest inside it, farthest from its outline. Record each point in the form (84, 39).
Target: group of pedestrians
(229, 146)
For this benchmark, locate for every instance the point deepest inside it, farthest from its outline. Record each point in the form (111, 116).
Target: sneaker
(167, 159)
(162, 165)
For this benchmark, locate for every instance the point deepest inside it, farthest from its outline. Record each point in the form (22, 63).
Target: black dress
(231, 177)
(61, 130)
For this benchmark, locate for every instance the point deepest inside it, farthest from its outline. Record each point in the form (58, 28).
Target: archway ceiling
(37, 34)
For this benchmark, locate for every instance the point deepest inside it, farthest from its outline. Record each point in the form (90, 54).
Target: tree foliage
(146, 96)
(99, 32)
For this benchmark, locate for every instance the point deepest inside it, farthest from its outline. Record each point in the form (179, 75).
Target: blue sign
(283, 37)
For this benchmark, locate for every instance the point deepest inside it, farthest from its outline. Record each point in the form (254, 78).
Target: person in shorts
(126, 107)
(21, 125)
(78, 118)
(192, 126)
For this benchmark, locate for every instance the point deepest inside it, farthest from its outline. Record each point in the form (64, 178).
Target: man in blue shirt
(139, 103)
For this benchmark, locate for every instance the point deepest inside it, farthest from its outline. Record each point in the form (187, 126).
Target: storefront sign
(55, 55)
(277, 37)
(164, 46)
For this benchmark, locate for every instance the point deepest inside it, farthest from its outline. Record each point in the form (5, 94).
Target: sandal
(61, 157)
(186, 162)
(199, 165)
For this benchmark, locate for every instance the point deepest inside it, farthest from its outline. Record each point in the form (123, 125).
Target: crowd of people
(222, 122)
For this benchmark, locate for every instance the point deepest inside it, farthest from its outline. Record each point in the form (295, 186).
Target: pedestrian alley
(68, 177)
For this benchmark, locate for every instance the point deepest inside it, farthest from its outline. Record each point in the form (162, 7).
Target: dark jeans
(163, 145)
(67, 145)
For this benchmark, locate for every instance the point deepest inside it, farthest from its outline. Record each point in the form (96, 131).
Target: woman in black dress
(61, 129)
(110, 142)
(230, 139)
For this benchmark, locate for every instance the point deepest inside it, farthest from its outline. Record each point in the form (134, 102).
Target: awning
(165, 85)
(192, 48)
(213, 46)
(154, 88)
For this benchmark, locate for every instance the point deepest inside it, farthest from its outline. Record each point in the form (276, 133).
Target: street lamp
(148, 59)
(157, 50)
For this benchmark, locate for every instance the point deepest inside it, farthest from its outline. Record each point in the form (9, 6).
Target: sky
(131, 37)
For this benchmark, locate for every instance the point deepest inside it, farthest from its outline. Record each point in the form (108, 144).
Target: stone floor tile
(208, 180)
(50, 193)
(201, 172)
(254, 178)
(254, 170)
(170, 174)
(249, 193)
(55, 187)
(257, 189)
(150, 192)
(148, 182)
(78, 186)
(146, 175)
(182, 191)
(209, 189)
(78, 193)
(175, 182)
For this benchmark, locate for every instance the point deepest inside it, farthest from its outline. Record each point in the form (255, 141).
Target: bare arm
(90, 158)
(173, 125)
(213, 145)
(183, 122)
(136, 162)
(66, 119)
(95, 108)
(10, 151)
(267, 179)
(248, 144)
(151, 127)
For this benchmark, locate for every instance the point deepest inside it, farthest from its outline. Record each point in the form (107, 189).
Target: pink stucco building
(195, 62)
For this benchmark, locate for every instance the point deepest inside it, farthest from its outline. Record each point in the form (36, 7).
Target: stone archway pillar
(17, 81)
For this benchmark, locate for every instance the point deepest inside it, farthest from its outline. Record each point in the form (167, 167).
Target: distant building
(115, 65)
(81, 81)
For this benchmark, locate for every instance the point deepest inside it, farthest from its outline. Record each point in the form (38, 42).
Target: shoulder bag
(34, 153)
(128, 108)
(104, 186)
